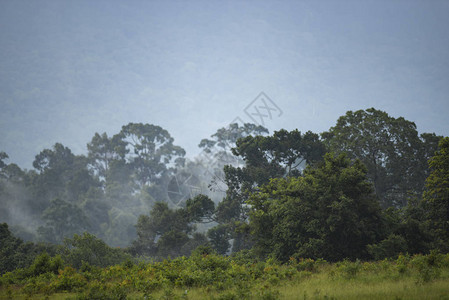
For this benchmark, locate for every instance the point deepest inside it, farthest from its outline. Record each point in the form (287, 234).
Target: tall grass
(221, 278)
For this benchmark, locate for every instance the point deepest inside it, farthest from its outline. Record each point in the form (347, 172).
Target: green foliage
(98, 291)
(200, 208)
(329, 213)
(168, 232)
(206, 275)
(62, 219)
(9, 246)
(390, 247)
(349, 269)
(104, 192)
(46, 264)
(436, 195)
(325, 211)
(221, 142)
(282, 154)
(428, 267)
(86, 248)
(103, 151)
(404, 230)
(390, 148)
(14, 253)
(203, 250)
(3, 156)
(219, 238)
(305, 264)
(61, 175)
(152, 151)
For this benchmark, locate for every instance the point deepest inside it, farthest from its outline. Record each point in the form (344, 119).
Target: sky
(69, 69)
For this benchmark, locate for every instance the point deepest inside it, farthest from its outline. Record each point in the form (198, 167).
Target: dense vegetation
(206, 275)
(275, 208)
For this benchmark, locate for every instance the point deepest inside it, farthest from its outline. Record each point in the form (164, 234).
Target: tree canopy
(329, 213)
(394, 153)
(357, 191)
(436, 195)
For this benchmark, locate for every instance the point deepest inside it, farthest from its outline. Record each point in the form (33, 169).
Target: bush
(390, 247)
(45, 264)
(402, 263)
(349, 269)
(307, 264)
(91, 250)
(99, 291)
(428, 267)
(68, 280)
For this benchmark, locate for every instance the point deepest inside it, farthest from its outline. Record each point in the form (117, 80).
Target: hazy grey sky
(69, 69)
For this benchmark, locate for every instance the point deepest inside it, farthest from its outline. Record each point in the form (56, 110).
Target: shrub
(90, 249)
(402, 263)
(68, 280)
(349, 269)
(428, 266)
(390, 247)
(45, 264)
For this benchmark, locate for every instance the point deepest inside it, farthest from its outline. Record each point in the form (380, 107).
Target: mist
(70, 69)
(109, 109)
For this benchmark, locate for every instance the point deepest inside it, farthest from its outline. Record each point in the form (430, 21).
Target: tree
(86, 248)
(62, 219)
(405, 230)
(219, 146)
(266, 157)
(53, 166)
(217, 152)
(15, 200)
(391, 149)
(436, 195)
(59, 158)
(329, 213)
(219, 238)
(96, 209)
(102, 151)
(153, 153)
(3, 156)
(285, 152)
(200, 209)
(13, 173)
(8, 249)
(14, 253)
(170, 232)
(429, 146)
(61, 174)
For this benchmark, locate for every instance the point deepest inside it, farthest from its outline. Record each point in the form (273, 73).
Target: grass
(321, 286)
(218, 278)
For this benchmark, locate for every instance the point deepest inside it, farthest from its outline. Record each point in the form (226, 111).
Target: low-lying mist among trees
(363, 189)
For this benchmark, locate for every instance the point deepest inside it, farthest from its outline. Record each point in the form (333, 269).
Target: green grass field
(216, 277)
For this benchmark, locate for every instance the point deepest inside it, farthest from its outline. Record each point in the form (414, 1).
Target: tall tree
(15, 254)
(153, 153)
(436, 195)
(62, 219)
(3, 156)
(220, 144)
(61, 174)
(102, 151)
(87, 248)
(265, 157)
(170, 232)
(217, 151)
(329, 213)
(389, 147)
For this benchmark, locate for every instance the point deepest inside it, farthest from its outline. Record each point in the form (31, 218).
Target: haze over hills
(69, 69)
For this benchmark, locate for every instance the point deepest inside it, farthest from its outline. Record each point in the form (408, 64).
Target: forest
(257, 215)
